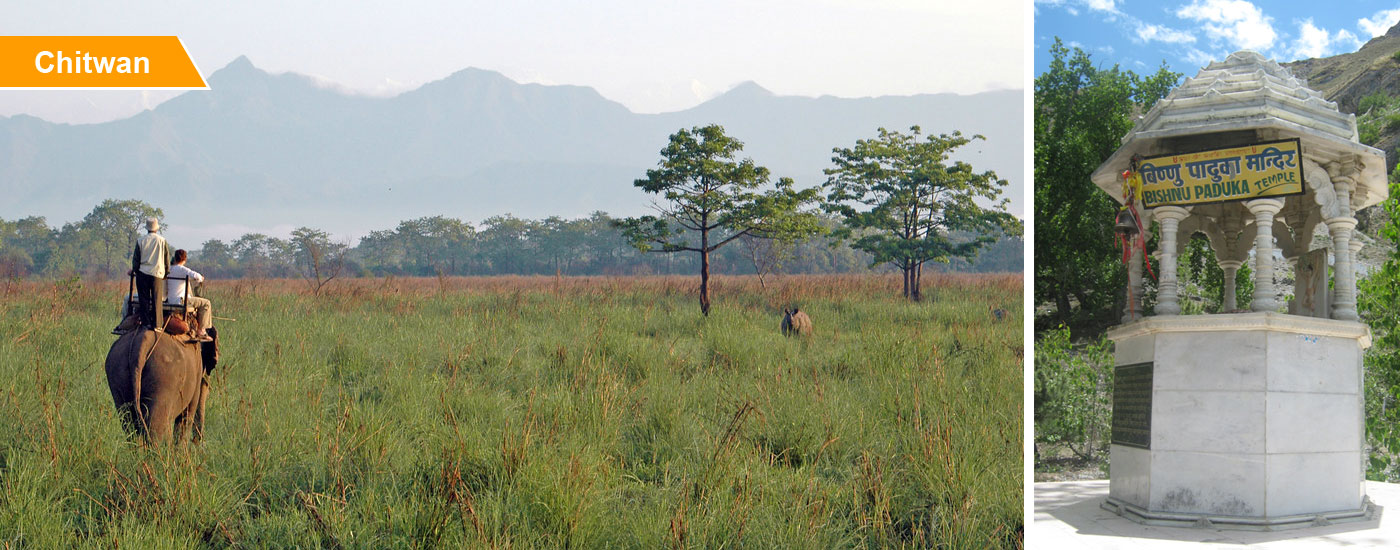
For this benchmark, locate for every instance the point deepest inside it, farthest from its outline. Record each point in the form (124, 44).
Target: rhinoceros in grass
(796, 323)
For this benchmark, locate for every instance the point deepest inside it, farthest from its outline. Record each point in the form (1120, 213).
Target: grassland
(532, 412)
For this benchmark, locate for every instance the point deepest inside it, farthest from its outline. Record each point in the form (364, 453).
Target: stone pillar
(1133, 310)
(1227, 298)
(1169, 217)
(1344, 285)
(1263, 211)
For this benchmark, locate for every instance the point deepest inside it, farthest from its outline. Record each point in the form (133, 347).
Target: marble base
(1366, 512)
(1257, 421)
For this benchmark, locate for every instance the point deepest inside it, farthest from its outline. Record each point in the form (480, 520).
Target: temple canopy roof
(1242, 100)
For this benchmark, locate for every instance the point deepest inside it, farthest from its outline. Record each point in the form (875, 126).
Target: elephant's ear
(209, 351)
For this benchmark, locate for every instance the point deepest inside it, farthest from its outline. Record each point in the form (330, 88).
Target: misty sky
(650, 55)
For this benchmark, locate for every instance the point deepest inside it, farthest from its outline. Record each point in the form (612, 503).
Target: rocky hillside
(1350, 77)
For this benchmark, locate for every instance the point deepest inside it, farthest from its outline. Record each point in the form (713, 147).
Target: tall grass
(532, 412)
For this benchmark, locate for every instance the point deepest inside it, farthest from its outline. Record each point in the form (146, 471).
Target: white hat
(152, 224)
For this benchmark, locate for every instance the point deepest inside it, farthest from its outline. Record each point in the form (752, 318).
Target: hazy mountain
(259, 150)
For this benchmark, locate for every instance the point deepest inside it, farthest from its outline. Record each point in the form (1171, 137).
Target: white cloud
(1072, 6)
(1149, 32)
(1377, 24)
(1198, 58)
(1238, 23)
(703, 92)
(1101, 5)
(1314, 41)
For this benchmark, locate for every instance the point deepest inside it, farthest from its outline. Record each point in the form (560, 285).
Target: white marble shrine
(1247, 419)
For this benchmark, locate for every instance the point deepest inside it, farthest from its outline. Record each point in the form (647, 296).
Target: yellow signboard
(1269, 169)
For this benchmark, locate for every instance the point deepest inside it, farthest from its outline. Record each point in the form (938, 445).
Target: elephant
(160, 383)
(796, 323)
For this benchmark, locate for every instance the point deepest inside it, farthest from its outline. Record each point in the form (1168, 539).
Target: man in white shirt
(175, 293)
(149, 262)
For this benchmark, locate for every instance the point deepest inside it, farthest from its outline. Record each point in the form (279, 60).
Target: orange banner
(64, 62)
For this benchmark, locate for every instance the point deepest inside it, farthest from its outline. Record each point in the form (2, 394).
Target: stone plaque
(1132, 405)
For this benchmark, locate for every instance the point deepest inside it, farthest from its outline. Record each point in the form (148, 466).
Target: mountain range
(260, 151)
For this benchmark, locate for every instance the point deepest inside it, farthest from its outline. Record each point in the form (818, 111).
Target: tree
(559, 241)
(1073, 399)
(506, 245)
(216, 257)
(1202, 278)
(383, 251)
(767, 255)
(25, 245)
(1378, 301)
(113, 226)
(261, 255)
(433, 245)
(1081, 113)
(710, 199)
(318, 259)
(915, 198)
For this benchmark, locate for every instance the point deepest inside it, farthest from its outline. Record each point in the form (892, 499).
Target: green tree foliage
(215, 256)
(113, 227)
(906, 199)
(1202, 280)
(1073, 386)
(710, 199)
(1375, 114)
(1081, 113)
(445, 246)
(264, 256)
(1378, 300)
(435, 244)
(25, 245)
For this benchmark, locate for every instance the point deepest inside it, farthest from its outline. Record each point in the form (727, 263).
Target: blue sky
(1189, 34)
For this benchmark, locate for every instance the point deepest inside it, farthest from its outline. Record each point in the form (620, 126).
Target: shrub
(1072, 407)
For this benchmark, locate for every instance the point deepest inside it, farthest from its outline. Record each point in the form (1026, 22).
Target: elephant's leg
(119, 382)
(160, 419)
(126, 412)
(199, 410)
(192, 418)
(182, 428)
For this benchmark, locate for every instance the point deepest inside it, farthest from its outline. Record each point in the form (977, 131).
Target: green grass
(532, 412)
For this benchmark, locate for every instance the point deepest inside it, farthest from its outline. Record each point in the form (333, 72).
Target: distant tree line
(99, 245)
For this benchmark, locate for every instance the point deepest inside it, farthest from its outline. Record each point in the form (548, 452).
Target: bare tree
(319, 260)
(767, 255)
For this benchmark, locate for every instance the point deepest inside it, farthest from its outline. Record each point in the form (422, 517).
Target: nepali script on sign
(1262, 170)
